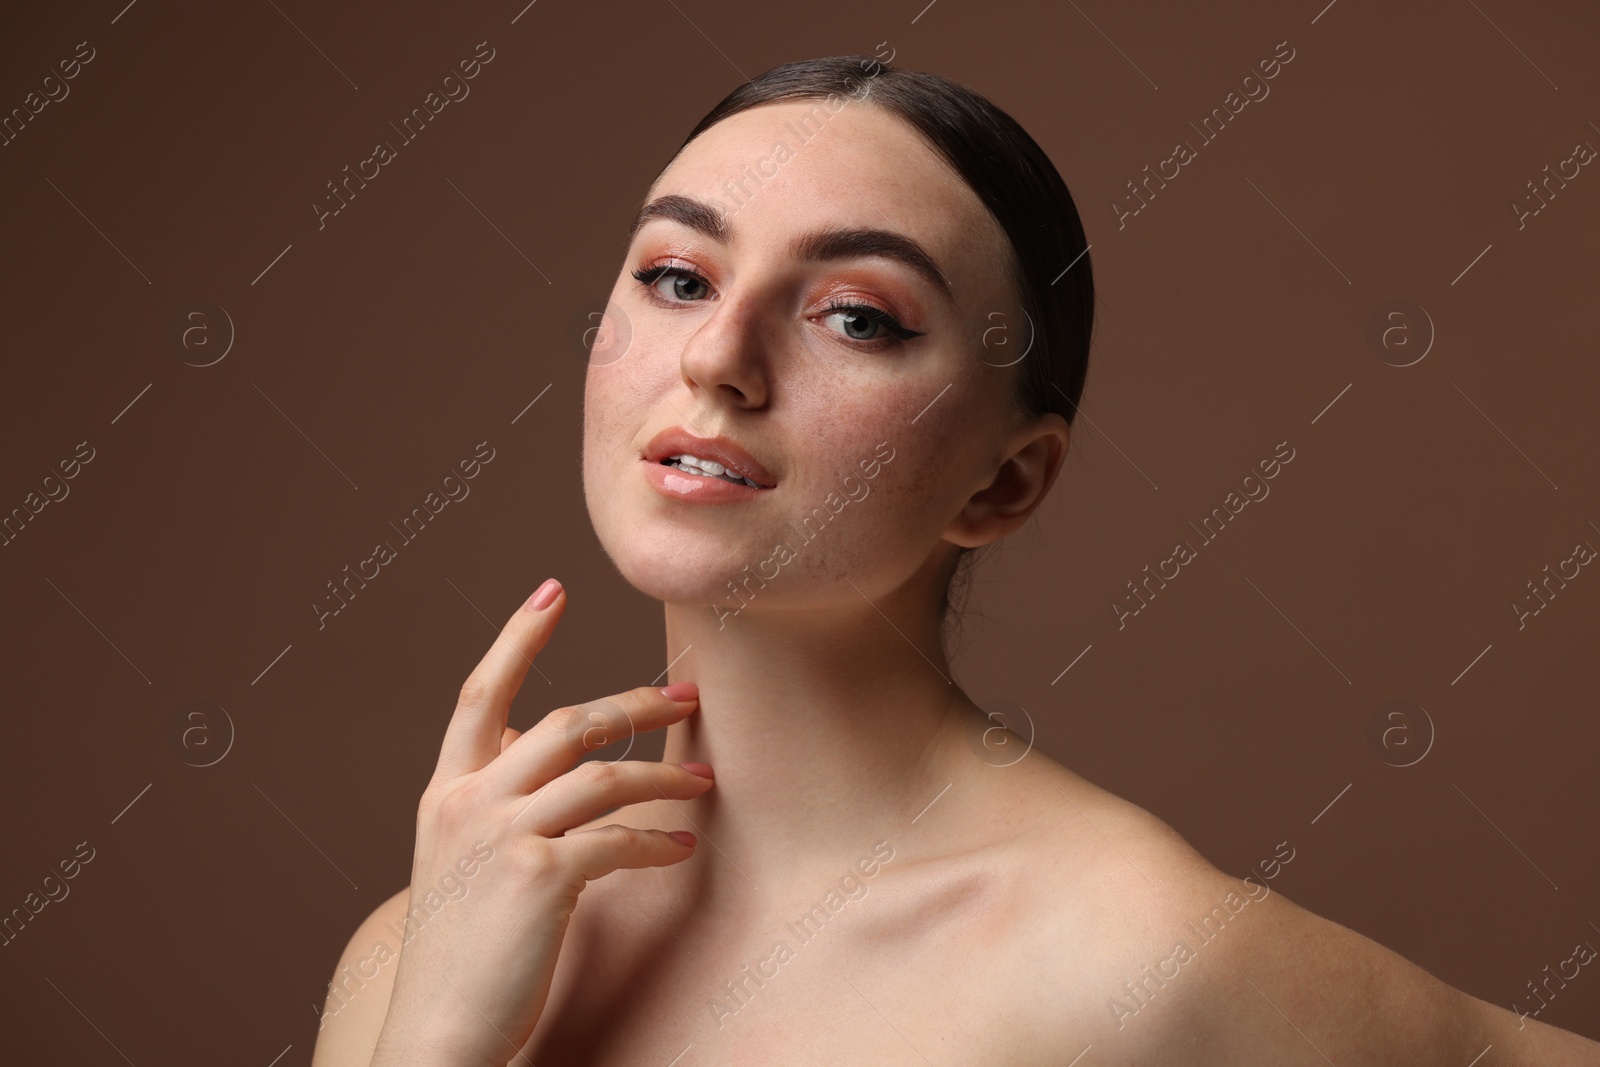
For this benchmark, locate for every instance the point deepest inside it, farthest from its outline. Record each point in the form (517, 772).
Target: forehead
(781, 169)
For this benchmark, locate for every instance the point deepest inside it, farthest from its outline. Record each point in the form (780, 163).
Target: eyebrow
(833, 243)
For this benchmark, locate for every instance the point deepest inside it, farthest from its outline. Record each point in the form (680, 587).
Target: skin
(1020, 897)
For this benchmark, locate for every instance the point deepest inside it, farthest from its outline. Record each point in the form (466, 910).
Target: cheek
(911, 497)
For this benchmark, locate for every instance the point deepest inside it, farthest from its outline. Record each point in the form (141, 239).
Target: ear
(1031, 460)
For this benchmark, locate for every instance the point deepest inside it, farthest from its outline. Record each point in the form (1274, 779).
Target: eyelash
(648, 276)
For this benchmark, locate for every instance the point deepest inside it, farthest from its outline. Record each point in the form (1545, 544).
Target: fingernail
(680, 691)
(702, 769)
(682, 837)
(544, 596)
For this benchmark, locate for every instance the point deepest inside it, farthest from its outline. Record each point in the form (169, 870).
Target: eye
(862, 322)
(867, 325)
(686, 287)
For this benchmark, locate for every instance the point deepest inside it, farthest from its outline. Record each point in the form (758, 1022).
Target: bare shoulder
(1278, 981)
(358, 995)
(1162, 958)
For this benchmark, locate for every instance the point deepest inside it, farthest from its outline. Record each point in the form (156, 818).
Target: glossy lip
(676, 440)
(676, 485)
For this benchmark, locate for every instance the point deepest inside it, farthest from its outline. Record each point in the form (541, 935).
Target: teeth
(704, 464)
(708, 468)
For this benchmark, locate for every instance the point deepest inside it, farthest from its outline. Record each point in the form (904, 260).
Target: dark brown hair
(1018, 184)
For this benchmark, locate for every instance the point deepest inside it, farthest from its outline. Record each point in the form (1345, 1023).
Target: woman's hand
(472, 981)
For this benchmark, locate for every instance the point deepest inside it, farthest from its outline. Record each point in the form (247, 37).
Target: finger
(508, 736)
(591, 789)
(596, 853)
(560, 739)
(472, 740)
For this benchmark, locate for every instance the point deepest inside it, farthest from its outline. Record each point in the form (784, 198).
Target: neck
(827, 731)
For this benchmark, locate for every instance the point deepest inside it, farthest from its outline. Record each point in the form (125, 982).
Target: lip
(675, 440)
(674, 484)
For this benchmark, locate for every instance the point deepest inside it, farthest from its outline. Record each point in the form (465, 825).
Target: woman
(844, 350)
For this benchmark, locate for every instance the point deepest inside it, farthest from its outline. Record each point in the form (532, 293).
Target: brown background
(1234, 310)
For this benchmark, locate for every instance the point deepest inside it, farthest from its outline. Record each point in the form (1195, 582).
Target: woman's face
(872, 443)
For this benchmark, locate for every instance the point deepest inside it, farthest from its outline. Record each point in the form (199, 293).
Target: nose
(727, 355)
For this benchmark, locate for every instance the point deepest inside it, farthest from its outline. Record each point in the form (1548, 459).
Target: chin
(674, 566)
(665, 559)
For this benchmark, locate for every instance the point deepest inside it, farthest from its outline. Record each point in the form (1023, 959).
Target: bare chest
(894, 981)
